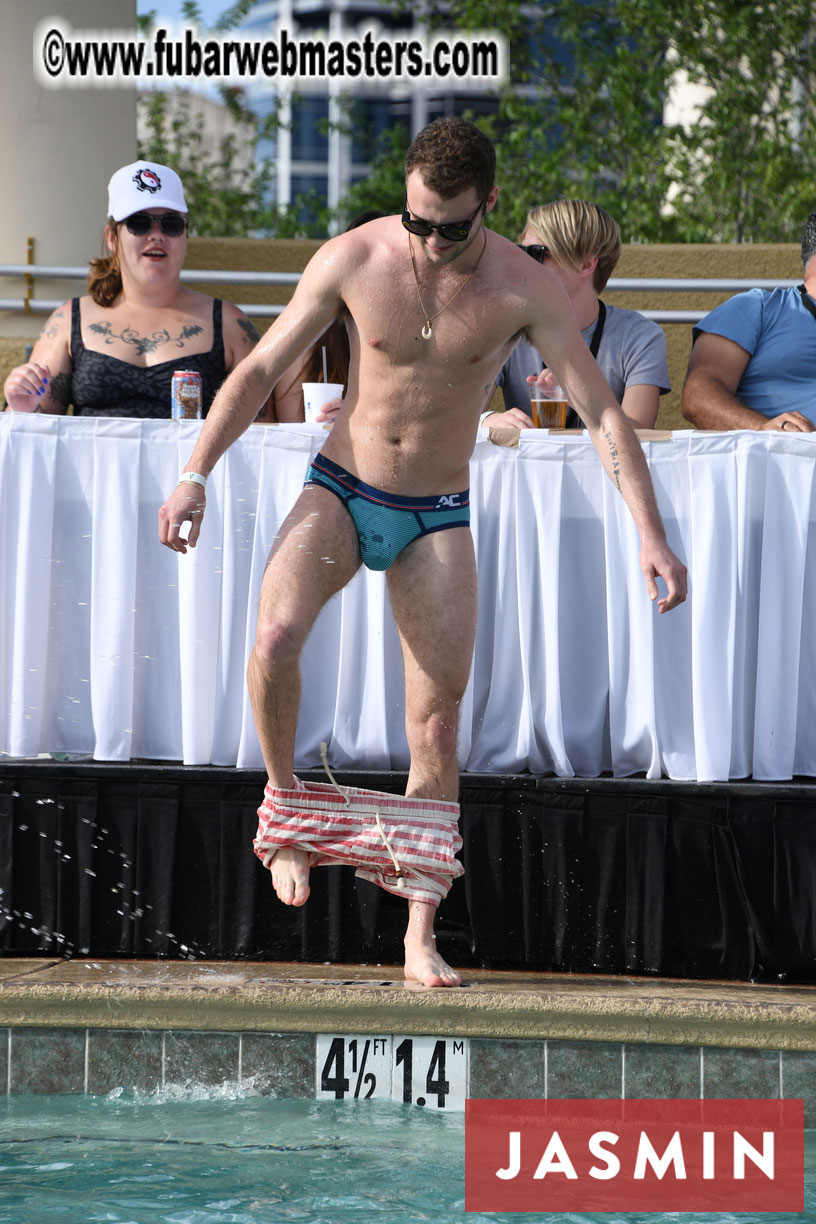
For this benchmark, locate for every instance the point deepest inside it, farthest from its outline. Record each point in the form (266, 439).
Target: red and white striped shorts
(423, 835)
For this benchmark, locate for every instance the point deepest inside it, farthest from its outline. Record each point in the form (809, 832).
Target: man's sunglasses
(141, 223)
(536, 250)
(451, 231)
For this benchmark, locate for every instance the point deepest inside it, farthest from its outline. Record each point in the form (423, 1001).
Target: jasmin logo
(650, 1155)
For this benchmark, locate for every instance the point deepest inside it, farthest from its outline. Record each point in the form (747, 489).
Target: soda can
(186, 396)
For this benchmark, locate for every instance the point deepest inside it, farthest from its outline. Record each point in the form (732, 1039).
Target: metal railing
(32, 305)
(689, 285)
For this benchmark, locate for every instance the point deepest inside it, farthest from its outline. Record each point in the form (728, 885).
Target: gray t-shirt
(632, 353)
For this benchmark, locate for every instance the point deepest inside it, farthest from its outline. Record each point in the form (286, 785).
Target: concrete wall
(713, 261)
(59, 148)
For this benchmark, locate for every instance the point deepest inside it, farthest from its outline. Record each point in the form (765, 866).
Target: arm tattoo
(145, 344)
(60, 388)
(50, 329)
(251, 333)
(613, 454)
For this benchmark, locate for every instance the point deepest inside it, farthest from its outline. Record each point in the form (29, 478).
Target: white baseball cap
(144, 185)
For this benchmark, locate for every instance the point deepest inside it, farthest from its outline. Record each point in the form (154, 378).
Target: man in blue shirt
(753, 361)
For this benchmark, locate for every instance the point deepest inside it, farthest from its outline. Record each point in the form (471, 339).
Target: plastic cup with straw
(315, 395)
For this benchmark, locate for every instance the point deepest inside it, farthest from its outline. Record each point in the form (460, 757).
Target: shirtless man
(436, 303)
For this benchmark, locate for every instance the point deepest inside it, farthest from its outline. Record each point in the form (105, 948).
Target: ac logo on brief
(650, 1155)
(449, 499)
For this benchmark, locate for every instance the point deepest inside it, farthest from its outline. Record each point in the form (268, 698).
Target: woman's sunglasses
(141, 223)
(536, 250)
(451, 231)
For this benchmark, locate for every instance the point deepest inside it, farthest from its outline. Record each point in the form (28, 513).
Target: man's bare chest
(444, 332)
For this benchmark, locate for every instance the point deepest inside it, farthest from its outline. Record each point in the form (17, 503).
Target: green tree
(228, 190)
(746, 169)
(384, 186)
(224, 190)
(582, 115)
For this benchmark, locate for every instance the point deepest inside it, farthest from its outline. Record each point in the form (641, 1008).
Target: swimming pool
(199, 1156)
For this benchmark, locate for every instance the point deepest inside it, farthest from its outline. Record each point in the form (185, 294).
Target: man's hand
(328, 413)
(792, 422)
(184, 505)
(658, 560)
(545, 379)
(511, 418)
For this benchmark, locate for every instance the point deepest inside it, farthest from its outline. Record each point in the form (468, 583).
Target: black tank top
(102, 385)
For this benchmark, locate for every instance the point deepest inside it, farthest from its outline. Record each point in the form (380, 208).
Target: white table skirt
(113, 647)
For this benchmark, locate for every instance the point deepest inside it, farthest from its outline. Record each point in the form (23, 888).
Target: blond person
(436, 302)
(113, 352)
(580, 244)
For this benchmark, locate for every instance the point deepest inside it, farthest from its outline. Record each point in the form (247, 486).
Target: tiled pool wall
(98, 1060)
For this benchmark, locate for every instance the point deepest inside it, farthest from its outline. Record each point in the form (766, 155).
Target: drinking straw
(325, 371)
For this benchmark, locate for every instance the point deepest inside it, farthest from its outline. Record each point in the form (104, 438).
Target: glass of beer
(548, 406)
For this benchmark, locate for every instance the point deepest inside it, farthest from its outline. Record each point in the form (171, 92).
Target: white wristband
(195, 477)
(484, 417)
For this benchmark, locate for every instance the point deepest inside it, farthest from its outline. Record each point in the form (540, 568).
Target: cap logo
(147, 180)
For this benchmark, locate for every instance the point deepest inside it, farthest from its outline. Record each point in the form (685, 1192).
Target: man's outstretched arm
(557, 338)
(315, 303)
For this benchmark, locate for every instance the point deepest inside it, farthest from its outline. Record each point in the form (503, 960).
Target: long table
(114, 648)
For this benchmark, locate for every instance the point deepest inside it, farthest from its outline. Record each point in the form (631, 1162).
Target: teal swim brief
(386, 523)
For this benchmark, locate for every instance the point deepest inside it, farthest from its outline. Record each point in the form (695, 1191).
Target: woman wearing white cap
(114, 351)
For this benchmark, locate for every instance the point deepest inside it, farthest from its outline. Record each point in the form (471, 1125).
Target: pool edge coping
(627, 1010)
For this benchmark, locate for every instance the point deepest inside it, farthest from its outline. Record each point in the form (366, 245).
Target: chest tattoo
(146, 344)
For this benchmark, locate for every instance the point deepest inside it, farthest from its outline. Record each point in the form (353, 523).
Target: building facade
(326, 138)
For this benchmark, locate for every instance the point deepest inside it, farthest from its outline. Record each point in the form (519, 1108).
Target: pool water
(229, 1158)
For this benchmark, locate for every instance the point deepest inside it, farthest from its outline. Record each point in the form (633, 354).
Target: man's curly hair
(451, 155)
(809, 240)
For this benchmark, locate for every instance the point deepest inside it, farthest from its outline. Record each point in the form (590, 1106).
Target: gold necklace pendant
(427, 331)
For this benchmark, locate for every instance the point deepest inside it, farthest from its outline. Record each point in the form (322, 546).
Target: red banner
(634, 1155)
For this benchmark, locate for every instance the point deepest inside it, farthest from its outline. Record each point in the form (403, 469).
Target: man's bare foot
(290, 875)
(424, 964)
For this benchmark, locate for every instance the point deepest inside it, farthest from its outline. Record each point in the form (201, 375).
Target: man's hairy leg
(314, 556)
(433, 594)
